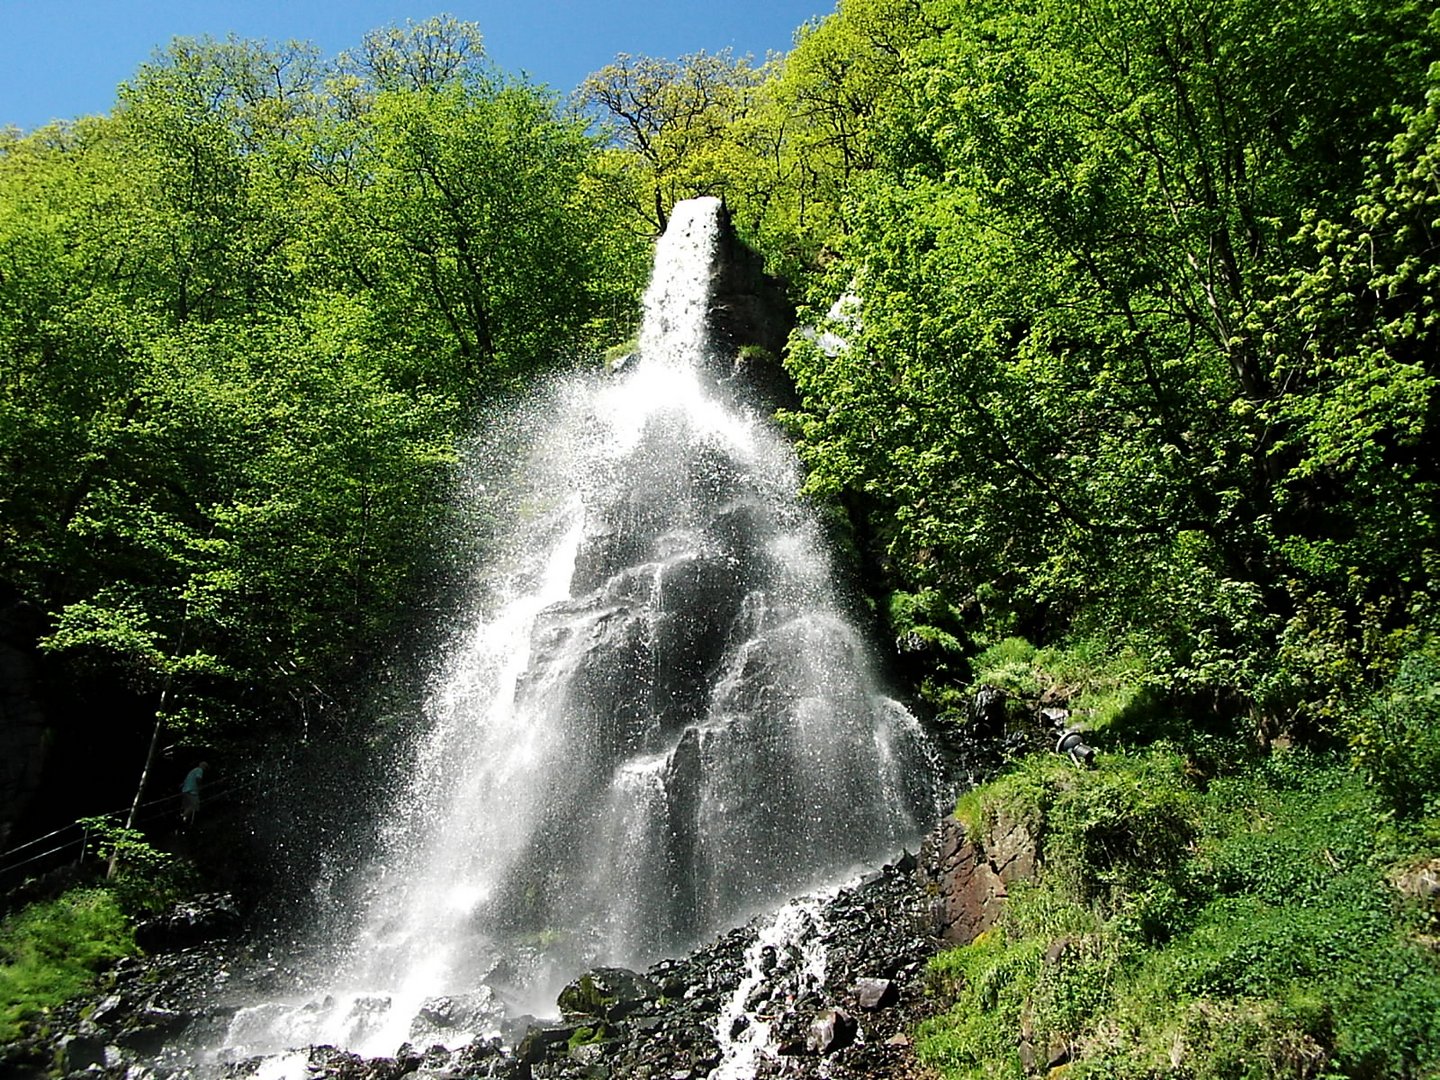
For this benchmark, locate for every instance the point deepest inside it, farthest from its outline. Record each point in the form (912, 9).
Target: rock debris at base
(657, 1025)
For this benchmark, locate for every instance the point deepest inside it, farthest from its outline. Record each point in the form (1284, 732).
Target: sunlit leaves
(1094, 371)
(244, 322)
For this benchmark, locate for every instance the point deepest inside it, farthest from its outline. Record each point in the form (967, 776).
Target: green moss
(584, 997)
(50, 952)
(585, 1036)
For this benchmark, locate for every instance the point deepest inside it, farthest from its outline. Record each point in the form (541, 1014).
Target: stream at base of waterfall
(658, 722)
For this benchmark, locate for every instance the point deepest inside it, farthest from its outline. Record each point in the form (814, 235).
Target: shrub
(1395, 739)
(144, 880)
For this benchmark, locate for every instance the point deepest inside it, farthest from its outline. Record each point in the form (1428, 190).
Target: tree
(428, 55)
(674, 121)
(243, 324)
(1060, 390)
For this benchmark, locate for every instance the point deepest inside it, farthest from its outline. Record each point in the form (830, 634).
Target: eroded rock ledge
(968, 876)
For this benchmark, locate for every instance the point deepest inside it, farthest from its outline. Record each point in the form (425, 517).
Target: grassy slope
(51, 951)
(1201, 920)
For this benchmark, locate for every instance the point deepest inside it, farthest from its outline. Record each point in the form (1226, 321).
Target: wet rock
(832, 1030)
(513, 1028)
(607, 993)
(588, 1053)
(485, 1058)
(77, 1052)
(26, 1059)
(190, 922)
(443, 1018)
(875, 993)
(108, 1009)
(988, 710)
(662, 1023)
(541, 1039)
(749, 319)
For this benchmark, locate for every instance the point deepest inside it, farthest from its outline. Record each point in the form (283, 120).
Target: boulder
(832, 1030)
(77, 1052)
(541, 1040)
(190, 922)
(871, 994)
(443, 1017)
(1420, 882)
(607, 994)
(988, 710)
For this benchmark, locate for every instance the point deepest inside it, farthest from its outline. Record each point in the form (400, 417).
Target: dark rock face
(988, 710)
(750, 319)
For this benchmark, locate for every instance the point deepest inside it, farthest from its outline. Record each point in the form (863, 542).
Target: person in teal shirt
(190, 793)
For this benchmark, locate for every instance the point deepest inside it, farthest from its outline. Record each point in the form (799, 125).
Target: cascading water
(659, 724)
(744, 1038)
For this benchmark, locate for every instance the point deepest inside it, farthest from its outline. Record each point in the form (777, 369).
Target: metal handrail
(215, 793)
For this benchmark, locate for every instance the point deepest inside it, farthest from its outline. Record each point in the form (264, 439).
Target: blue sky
(63, 58)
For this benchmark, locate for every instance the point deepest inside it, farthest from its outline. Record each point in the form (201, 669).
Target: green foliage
(142, 880)
(50, 952)
(1095, 680)
(924, 624)
(245, 322)
(1395, 738)
(1239, 927)
(1010, 665)
(1023, 794)
(1129, 353)
(786, 142)
(674, 124)
(1120, 828)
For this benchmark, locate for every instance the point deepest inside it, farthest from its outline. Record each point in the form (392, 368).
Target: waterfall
(658, 722)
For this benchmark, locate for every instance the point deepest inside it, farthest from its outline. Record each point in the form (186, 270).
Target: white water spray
(658, 723)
